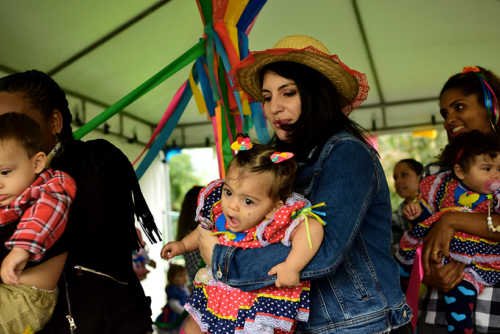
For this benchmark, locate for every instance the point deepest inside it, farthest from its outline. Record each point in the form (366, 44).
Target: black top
(100, 233)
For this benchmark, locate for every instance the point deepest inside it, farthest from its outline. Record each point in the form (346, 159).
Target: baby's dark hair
(470, 83)
(414, 165)
(465, 147)
(258, 160)
(24, 130)
(173, 271)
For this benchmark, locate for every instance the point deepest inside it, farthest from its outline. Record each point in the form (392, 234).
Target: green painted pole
(185, 59)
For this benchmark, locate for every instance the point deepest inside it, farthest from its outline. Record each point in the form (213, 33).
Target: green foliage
(182, 178)
(394, 147)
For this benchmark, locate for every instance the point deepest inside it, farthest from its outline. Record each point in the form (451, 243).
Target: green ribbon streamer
(247, 123)
(227, 153)
(185, 59)
(206, 9)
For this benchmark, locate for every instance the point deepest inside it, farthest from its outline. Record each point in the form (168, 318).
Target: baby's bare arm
(187, 244)
(288, 272)
(13, 265)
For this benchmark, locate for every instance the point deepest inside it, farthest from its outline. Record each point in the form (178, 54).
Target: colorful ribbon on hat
(278, 157)
(308, 211)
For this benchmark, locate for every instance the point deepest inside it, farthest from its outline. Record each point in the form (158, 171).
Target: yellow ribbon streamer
(244, 104)
(198, 96)
(234, 10)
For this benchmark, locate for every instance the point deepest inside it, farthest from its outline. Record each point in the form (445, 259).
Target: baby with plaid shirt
(34, 206)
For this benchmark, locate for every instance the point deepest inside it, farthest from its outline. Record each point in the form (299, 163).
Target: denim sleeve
(346, 183)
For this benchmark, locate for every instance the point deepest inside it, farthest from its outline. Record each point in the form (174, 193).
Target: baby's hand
(13, 265)
(172, 249)
(412, 210)
(286, 277)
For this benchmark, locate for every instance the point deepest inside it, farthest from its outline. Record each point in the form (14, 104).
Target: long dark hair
(186, 223)
(321, 115)
(43, 93)
(470, 83)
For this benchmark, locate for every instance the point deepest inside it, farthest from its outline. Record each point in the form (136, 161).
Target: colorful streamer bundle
(227, 25)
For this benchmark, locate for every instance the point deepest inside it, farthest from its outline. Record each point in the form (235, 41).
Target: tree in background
(394, 147)
(182, 178)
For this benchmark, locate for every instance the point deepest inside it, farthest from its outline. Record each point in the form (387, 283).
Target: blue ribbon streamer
(210, 67)
(243, 40)
(251, 10)
(259, 122)
(219, 47)
(165, 133)
(205, 86)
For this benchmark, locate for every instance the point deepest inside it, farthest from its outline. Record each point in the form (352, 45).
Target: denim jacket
(354, 280)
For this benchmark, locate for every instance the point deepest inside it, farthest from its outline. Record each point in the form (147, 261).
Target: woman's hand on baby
(445, 278)
(437, 243)
(13, 265)
(286, 276)
(172, 249)
(436, 246)
(412, 210)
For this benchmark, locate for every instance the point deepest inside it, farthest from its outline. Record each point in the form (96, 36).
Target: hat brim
(248, 71)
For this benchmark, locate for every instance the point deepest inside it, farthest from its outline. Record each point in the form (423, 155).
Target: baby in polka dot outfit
(471, 184)
(252, 207)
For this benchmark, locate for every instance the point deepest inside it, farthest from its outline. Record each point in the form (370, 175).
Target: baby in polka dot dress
(472, 184)
(252, 207)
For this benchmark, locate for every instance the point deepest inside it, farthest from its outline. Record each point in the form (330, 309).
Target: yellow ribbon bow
(308, 211)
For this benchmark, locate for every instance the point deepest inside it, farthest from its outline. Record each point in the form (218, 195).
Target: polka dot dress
(441, 193)
(219, 308)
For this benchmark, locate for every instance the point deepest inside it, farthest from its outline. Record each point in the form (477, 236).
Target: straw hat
(308, 51)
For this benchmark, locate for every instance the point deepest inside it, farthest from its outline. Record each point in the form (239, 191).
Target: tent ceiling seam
(370, 60)
(107, 37)
(85, 98)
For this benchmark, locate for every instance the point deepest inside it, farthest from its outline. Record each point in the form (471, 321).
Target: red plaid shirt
(42, 211)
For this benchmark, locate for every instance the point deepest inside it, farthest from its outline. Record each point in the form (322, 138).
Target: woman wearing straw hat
(307, 95)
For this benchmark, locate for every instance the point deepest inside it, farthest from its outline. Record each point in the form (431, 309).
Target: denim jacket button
(219, 274)
(405, 315)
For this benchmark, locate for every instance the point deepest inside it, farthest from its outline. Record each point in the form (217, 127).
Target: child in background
(140, 258)
(471, 185)
(172, 315)
(407, 176)
(253, 207)
(34, 205)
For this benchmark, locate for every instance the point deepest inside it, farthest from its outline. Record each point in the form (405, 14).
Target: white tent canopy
(101, 50)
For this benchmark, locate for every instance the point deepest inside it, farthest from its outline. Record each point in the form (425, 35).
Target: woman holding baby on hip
(307, 95)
